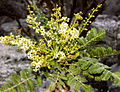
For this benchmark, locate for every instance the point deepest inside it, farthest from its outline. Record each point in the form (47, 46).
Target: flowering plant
(61, 54)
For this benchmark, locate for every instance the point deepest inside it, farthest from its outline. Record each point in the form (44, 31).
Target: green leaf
(85, 66)
(98, 78)
(77, 86)
(116, 52)
(116, 78)
(52, 86)
(39, 81)
(8, 87)
(85, 54)
(100, 52)
(87, 88)
(71, 81)
(102, 33)
(76, 71)
(109, 50)
(59, 85)
(91, 34)
(86, 62)
(17, 80)
(25, 74)
(62, 83)
(106, 75)
(21, 88)
(83, 79)
(86, 73)
(71, 67)
(30, 85)
(95, 69)
(52, 63)
(82, 41)
(63, 75)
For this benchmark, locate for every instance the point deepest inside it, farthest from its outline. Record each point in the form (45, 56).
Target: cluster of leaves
(61, 54)
(17, 81)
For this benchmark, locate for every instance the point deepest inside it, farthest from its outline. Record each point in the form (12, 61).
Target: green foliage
(17, 83)
(39, 81)
(52, 86)
(61, 55)
(100, 52)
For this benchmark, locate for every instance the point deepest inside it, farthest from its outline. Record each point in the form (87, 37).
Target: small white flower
(36, 69)
(48, 33)
(64, 18)
(25, 47)
(38, 64)
(34, 27)
(42, 28)
(43, 32)
(37, 30)
(13, 42)
(60, 54)
(62, 31)
(74, 33)
(35, 18)
(49, 43)
(28, 17)
(33, 63)
(64, 25)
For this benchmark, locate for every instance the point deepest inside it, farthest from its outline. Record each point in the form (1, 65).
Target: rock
(12, 26)
(116, 68)
(112, 7)
(11, 61)
(115, 89)
(112, 86)
(9, 26)
(107, 22)
(12, 9)
(111, 24)
(4, 19)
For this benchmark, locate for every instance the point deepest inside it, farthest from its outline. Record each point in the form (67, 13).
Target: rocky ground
(11, 61)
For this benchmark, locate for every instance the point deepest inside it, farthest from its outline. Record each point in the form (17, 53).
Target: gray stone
(112, 7)
(11, 61)
(9, 26)
(111, 24)
(13, 9)
(4, 19)
(107, 22)
(116, 68)
(12, 26)
(118, 36)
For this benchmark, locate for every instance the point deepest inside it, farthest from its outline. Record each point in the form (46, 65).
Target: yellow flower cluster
(32, 20)
(58, 42)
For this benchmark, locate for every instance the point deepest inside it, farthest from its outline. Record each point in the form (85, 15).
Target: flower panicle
(58, 37)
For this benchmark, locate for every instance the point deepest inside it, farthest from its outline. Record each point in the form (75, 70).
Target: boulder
(13, 9)
(112, 7)
(11, 61)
